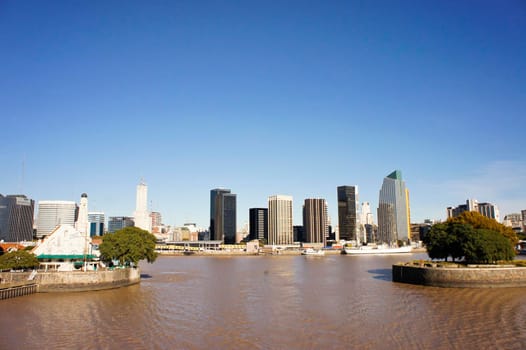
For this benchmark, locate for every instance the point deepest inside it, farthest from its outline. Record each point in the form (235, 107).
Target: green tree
(487, 246)
(444, 240)
(18, 260)
(460, 239)
(129, 245)
(479, 221)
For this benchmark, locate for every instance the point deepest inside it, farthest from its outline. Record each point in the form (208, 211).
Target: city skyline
(263, 99)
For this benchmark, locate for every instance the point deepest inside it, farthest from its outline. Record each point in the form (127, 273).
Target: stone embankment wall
(479, 277)
(74, 281)
(78, 281)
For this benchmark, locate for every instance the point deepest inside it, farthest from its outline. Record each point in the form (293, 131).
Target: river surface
(286, 302)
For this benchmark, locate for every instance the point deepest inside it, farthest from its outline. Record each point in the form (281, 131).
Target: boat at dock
(313, 252)
(378, 250)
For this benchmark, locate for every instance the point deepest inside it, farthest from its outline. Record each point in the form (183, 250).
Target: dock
(12, 290)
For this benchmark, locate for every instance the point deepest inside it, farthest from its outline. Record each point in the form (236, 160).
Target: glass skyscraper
(16, 218)
(348, 212)
(258, 223)
(223, 220)
(393, 210)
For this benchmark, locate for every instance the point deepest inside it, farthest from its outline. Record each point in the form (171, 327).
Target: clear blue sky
(263, 97)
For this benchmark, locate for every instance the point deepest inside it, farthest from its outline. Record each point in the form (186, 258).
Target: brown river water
(284, 302)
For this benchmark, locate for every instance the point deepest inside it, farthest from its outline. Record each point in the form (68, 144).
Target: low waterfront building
(514, 221)
(67, 249)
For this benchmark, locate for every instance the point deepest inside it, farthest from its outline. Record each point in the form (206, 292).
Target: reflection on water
(335, 302)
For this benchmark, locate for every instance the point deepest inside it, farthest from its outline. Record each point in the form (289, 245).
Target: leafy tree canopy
(487, 246)
(479, 221)
(443, 240)
(473, 237)
(129, 245)
(18, 260)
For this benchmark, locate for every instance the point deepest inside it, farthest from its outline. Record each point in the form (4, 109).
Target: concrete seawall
(461, 277)
(74, 281)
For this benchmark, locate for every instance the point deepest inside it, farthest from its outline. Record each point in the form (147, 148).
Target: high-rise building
(96, 223)
(315, 220)
(393, 210)
(82, 219)
(223, 220)
(116, 223)
(258, 223)
(298, 233)
(157, 219)
(487, 209)
(348, 212)
(366, 223)
(54, 213)
(280, 229)
(16, 218)
(213, 212)
(141, 215)
(523, 214)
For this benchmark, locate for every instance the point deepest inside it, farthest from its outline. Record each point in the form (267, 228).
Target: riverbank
(480, 276)
(241, 253)
(265, 252)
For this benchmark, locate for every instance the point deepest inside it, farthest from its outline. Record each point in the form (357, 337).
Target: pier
(17, 291)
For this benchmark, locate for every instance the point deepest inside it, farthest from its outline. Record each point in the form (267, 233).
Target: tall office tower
(223, 215)
(393, 209)
(366, 222)
(96, 223)
(213, 212)
(366, 215)
(258, 223)
(315, 220)
(16, 218)
(298, 233)
(54, 213)
(141, 216)
(116, 223)
(82, 220)
(348, 212)
(280, 229)
(157, 219)
(523, 214)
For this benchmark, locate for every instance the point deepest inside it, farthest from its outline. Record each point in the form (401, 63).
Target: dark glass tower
(258, 219)
(347, 212)
(16, 218)
(223, 215)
